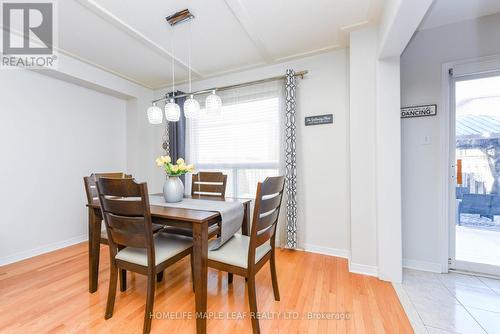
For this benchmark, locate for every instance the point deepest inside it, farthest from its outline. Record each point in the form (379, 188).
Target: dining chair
(245, 255)
(209, 184)
(91, 192)
(206, 185)
(132, 244)
(203, 185)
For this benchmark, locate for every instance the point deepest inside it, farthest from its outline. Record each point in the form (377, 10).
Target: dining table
(198, 220)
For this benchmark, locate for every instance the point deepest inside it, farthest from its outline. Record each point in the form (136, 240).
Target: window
(244, 141)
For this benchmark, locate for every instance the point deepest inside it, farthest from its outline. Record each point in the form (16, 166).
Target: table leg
(94, 248)
(200, 254)
(246, 219)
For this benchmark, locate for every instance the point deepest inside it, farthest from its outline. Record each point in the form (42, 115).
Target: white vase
(173, 189)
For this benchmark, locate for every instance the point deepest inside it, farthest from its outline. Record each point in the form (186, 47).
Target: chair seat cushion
(235, 251)
(166, 247)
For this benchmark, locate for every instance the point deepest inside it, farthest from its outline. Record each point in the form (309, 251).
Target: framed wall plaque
(419, 111)
(319, 119)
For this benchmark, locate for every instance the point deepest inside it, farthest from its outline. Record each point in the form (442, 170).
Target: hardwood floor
(48, 294)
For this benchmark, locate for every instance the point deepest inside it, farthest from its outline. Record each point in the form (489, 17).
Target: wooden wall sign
(320, 119)
(419, 111)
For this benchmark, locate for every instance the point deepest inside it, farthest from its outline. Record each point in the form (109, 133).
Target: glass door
(475, 233)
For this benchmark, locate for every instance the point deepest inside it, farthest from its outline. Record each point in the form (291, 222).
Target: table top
(187, 215)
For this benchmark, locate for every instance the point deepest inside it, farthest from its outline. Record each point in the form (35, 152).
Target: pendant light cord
(173, 63)
(189, 56)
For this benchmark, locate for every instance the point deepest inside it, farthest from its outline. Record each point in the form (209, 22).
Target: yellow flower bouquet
(177, 169)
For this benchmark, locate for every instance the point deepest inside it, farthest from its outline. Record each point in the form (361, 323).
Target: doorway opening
(475, 231)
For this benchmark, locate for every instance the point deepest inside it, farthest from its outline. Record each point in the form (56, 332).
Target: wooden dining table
(198, 220)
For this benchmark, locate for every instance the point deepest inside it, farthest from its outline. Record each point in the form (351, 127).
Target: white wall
(321, 150)
(422, 164)
(376, 245)
(363, 103)
(143, 143)
(388, 170)
(52, 133)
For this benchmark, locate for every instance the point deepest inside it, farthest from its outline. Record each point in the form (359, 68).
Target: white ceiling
(445, 12)
(132, 39)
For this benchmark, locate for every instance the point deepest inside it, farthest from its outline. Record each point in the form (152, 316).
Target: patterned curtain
(290, 161)
(174, 137)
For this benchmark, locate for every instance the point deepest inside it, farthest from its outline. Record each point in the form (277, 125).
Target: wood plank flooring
(48, 294)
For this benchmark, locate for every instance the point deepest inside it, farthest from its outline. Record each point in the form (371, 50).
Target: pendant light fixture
(213, 103)
(172, 109)
(155, 115)
(191, 106)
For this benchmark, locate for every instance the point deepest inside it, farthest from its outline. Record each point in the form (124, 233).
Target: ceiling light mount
(179, 17)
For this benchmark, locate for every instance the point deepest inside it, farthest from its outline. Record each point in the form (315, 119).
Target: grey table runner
(231, 214)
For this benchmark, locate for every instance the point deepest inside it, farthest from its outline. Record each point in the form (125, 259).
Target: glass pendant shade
(155, 115)
(191, 108)
(172, 111)
(213, 103)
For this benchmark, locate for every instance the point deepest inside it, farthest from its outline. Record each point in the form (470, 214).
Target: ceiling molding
(310, 53)
(261, 64)
(241, 14)
(83, 60)
(355, 26)
(132, 32)
(104, 68)
(216, 74)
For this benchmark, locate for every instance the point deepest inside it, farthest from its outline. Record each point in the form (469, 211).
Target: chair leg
(219, 233)
(159, 277)
(123, 280)
(252, 298)
(192, 269)
(274, 278)
(229, 278)
(113, 277)
(149, 303)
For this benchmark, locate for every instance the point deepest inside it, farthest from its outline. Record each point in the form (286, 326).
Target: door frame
(461, 70)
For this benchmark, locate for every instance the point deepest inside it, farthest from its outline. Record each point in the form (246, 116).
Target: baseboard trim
(422, 265)
(363, 269)
(410, 310)
(19, 256)
(355, 268)
(343, 253)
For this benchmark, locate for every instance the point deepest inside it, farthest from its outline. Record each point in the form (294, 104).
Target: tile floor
(451, 303)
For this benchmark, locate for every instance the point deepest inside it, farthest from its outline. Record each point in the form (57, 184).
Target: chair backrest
(209, 184)
(126, 212)
(266, 213)
(90, 183)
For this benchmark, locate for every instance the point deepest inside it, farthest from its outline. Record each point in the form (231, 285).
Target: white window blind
(244, 141)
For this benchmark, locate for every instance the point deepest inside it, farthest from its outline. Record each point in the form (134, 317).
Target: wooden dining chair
(132, 244)
(204, 185)
(245, 256)
(91, 192)
(209, 184)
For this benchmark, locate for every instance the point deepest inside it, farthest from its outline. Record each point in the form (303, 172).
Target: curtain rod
(249, 83)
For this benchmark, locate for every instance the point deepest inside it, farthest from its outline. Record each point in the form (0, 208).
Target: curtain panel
(290, 160)
(174, 138)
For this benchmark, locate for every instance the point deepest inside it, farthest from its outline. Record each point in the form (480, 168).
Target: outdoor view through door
(477, 131)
